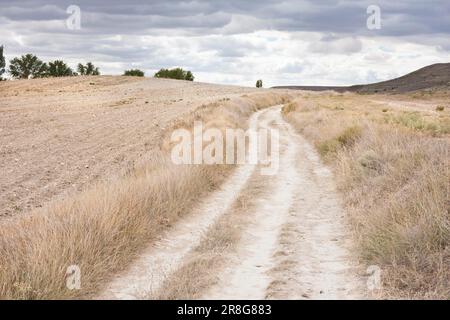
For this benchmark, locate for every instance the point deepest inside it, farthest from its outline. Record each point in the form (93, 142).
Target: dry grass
(103, 228)
(394, 176)
(199, 272)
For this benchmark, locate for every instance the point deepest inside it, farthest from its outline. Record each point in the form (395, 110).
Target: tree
(26, 66)
(81, 69)
(58, 68)
(189, 76)
(259, 84)
(134, 73)
(88, 70)
(2, 63)
(176, 73)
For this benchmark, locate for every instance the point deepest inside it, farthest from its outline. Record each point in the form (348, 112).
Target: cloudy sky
(303, 42)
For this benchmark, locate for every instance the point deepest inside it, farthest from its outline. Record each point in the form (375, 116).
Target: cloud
(336, 45)
(235, 41)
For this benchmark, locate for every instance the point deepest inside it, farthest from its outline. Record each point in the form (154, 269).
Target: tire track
(297, 246)
(164, 256)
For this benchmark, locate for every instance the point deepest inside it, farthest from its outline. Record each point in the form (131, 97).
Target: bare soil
(57, 136)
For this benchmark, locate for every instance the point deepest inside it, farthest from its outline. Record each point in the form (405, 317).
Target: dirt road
(295, 246)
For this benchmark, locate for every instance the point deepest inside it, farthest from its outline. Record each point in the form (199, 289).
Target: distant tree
(2, 63)
(88, 70)
(92, 70)
(81, 69)
(176, 73)
(58, 68)
(189, 76)
(259, 84)
(134, 73)
(26, 66)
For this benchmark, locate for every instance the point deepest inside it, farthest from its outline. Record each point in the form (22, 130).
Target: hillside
(432, 76)
(60, 135)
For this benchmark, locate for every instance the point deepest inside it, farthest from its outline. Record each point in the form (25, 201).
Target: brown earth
(59, 135)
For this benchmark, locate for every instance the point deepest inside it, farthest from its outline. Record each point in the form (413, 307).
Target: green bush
(347, 138)
(58, 68)
(134, 73)
(88, 70)
(27, 66)
(176, 73)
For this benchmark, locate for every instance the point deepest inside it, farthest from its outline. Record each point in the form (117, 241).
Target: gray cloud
(227, 36)
(336, 45)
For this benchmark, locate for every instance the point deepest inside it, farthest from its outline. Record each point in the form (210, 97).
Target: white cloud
(236, 42)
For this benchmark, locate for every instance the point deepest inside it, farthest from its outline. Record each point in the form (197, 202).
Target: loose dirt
(57, 136)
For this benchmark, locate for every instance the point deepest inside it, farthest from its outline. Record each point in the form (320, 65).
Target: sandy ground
(296, 245)
(59, 135)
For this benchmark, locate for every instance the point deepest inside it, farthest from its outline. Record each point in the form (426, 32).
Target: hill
(432, 76)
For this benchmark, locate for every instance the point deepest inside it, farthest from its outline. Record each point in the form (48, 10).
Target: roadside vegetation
(103, 228)
(88, 70)
(392, 167)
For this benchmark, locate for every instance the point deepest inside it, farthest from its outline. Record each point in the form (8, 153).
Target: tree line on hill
(30, 66)
(176, 73)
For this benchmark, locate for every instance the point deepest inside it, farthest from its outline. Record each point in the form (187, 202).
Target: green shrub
(88, 70)
(27, 66)
(347, 138)
(176, 73)
(58, 68)
(134, 73)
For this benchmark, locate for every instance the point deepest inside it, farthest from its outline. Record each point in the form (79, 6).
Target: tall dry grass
(199, 272)
(102, 229)
(395, 179)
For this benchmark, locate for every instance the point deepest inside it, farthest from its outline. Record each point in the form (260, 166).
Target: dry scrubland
(391, 159)
(105, 225)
